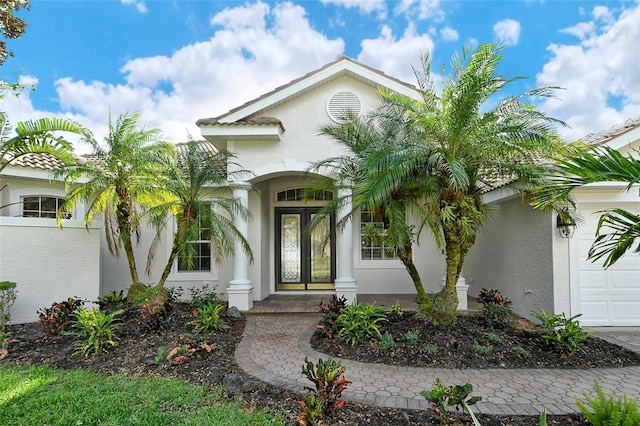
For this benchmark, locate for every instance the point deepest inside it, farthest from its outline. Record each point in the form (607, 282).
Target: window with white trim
(42, 206)
(373, 229)
(201, 261)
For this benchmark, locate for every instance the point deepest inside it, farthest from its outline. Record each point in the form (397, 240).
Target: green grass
(44, 396)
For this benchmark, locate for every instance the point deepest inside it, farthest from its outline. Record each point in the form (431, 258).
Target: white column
(346, 285)
(240, 290)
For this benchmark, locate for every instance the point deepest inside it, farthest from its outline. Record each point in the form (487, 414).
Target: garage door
(604, 297)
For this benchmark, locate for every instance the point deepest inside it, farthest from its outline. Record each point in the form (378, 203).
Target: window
(201, 259)
(372, 238)
(41, 206)
(304, 194)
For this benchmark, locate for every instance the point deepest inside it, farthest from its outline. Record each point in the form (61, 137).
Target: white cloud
(138, 4)
(449, 34)
(599, 73)
(396, 56)
(420, 9)
(254, 48)
(507, 31)
(365, 6)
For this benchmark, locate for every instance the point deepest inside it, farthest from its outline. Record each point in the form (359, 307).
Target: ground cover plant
(148, 354)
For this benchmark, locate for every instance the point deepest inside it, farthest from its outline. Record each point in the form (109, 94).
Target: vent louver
(342, 102)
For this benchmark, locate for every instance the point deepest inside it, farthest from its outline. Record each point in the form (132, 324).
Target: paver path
(275, 345)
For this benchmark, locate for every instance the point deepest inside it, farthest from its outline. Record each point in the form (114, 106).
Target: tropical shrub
(204, 296)
(359, 323)
(95, 328)
(112, 301)
(496, 309)
(58, 317)
(610, 410)
(330, 311)
(324, 398)
(154, 314)
(441, 396)
(208, 318)
(564, 332)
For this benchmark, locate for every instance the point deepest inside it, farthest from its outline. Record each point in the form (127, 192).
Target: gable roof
(331, 71)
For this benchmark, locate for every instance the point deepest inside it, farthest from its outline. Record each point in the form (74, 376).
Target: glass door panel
(290, 248)
(321, 252)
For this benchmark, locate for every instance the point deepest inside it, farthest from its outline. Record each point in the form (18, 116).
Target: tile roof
(600, 138)
(37, 161)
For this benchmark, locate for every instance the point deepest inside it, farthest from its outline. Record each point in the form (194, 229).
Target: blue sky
(178, 61)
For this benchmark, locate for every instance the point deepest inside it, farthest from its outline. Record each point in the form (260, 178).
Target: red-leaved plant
(323, 399)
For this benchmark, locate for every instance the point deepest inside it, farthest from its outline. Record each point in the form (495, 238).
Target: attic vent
(342, 102)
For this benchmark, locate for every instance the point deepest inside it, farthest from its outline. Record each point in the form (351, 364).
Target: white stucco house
(519, 252)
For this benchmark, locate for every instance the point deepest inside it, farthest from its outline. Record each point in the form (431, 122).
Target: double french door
(304, 261)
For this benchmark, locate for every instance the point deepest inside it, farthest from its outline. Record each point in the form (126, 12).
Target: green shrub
(565, 332)
(412, 337)
(330, 311)
(358, 323)
(610, 410)
(480, 349)
(430, 349)
(385, 341)
(396, 310)
(441, 396)
(8, 294)
(324, 398)
(208, 318)
(95, 328)
(205, 296)
(521, 351)
(496, 309)
(112, 301)
(58, 317)
(494, 338)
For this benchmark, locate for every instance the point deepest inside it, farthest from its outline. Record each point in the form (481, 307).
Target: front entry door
(303, 263)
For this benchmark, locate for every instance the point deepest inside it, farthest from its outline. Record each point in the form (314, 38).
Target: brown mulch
(473, 344)
(137, 349)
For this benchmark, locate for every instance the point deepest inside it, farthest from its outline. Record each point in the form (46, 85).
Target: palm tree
(197, 193)
(116, 180)
(452, 148)
(618, 230)
(370, 141)
(40, 136)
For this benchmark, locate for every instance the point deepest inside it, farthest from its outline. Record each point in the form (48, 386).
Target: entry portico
(276, 137)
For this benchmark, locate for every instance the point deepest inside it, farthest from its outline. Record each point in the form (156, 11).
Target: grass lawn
(44, 396)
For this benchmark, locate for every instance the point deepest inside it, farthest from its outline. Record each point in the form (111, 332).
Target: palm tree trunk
(172, 256)
(406, 256)
(446, 302)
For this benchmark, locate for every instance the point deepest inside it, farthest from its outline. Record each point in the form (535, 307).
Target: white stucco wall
(513, 254)
(48, 264)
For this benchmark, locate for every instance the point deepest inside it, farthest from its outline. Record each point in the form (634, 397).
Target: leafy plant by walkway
(609, 410)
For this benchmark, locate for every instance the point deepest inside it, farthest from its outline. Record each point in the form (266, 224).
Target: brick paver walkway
(274, 347)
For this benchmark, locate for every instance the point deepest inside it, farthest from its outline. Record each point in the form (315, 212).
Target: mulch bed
(137, 347)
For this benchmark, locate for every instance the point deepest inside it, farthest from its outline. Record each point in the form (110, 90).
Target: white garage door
(604, 297)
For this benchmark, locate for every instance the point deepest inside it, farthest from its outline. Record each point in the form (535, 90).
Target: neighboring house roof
(344, 65)
(602, 138)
